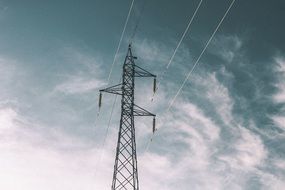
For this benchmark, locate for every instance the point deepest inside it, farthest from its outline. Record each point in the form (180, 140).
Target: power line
(133, 35)
(121, 38)
(173, 55)
(186, 30)
(108, 80)
(130, 41)
(109, 122)
(179, 43)
(197, 61)
(138, 22)
(114, 60)
(106, 134)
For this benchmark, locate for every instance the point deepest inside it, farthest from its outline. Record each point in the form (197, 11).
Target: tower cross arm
(116, 89)
(140, 72)
(139, 111)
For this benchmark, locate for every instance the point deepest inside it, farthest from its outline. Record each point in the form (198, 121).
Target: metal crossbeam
(139, 111)
(117, 89)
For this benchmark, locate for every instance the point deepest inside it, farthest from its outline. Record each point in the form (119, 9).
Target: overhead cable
(201, 54)
(138, 22)
(196, 63)
(121, 39)
(179, 43)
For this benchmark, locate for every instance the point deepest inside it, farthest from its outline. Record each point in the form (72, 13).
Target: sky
(225, 130)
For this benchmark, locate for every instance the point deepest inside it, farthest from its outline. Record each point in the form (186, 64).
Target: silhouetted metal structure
(125, 175)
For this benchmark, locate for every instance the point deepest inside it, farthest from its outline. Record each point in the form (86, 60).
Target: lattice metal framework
(125, 175)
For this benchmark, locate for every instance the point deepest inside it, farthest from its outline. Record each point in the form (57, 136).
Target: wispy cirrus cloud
(152, 51)
(279, 121)
(189, 135)
(189, 143)
(7, 74)
(280, 69)
(242, 152)
(226, 47)
(216, 93)
(279, 97)
(79, 85)
(85, 78)
(249, 151)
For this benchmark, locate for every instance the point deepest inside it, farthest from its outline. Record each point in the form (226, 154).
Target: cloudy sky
(225, 130)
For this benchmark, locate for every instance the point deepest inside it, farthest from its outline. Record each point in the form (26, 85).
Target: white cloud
(194, 131)
(87, 75)
(7, 116)
(217, 94)
(33, 156)
(279, 97)
(270, 181)
(188, 125)
(280, 164)
(82, 60)
(188, 151)
(152, 51)
(193, 114)
(7, 76)
(249, 152)
(158, 54)
(78, 85)
(226, 47)
(279, 121)
(280, 69)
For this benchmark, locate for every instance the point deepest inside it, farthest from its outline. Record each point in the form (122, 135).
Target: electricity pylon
(125, 175)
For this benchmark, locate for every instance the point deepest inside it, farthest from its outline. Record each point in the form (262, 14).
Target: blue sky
(225, 130)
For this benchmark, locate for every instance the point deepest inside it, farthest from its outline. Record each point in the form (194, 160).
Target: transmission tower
(125, 175)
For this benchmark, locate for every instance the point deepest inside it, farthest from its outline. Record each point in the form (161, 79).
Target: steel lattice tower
(125, 175)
